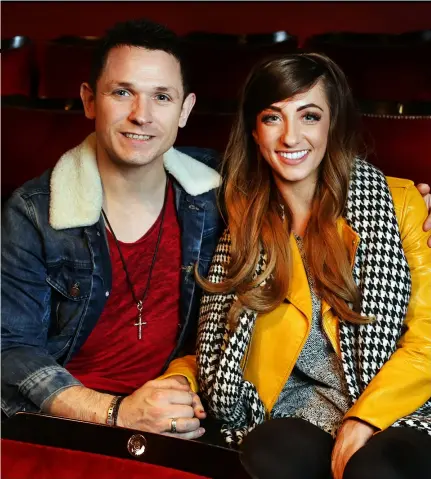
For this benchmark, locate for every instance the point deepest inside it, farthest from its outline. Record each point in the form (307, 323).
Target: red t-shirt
(113, 358)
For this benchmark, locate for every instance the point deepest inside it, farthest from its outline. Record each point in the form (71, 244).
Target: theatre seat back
(34, 139)
(17, 66)
(400, 145)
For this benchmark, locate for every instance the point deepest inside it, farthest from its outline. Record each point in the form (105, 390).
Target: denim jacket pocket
(71, 289)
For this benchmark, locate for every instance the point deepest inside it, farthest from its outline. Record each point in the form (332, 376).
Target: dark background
(45, 20)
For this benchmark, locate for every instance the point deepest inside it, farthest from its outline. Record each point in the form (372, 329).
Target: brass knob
(136, 445)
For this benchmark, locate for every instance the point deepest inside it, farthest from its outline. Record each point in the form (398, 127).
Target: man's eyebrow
(122, 84)
(166, 89)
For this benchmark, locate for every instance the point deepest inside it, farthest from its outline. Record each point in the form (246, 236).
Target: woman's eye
(269, 118)
(311, 117)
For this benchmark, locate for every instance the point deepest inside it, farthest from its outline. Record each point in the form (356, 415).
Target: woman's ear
(255, 136)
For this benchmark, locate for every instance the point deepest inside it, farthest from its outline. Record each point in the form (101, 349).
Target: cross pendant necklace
(140, 302)
(140, 323)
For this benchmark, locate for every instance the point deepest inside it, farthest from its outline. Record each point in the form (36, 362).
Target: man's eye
(162, 97)
(121, 92)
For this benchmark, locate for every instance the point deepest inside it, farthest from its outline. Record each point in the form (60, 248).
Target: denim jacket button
(74, 290)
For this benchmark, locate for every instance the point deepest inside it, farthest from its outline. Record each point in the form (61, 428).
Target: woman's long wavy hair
(251, 201)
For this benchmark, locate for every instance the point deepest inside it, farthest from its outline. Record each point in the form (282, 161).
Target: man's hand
(425, 191)
(352, 436)
(153, 406)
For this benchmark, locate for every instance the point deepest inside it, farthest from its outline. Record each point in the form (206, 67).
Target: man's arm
(425, 191)
(403, 382)
(150, 408)
(32, 378)
(30, 375)
(79, 402)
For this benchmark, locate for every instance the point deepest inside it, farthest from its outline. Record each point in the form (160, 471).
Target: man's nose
(141, 112)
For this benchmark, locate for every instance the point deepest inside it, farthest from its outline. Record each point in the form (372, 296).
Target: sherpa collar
(76, 188)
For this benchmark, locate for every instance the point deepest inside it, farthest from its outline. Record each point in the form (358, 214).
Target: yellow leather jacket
(404, 383)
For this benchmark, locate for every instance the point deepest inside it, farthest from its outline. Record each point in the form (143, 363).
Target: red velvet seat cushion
(24, 460)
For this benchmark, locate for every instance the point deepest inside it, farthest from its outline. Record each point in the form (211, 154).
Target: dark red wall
(42, 20)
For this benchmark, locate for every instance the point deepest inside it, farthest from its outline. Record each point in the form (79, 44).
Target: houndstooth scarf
(381, 272)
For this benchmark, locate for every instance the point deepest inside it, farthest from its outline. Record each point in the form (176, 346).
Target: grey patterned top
(316, 390)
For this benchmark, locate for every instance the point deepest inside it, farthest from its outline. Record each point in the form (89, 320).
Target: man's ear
(88, 98)
(188, 104)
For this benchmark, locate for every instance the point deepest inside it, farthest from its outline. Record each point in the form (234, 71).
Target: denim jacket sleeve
(30, 375)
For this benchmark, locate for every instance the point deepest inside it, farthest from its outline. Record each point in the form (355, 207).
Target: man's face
(138, 105)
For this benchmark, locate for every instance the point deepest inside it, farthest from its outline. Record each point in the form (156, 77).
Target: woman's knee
(397, 453)
(287, 448)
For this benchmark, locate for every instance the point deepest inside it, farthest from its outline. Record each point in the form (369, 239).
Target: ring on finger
(174, 424)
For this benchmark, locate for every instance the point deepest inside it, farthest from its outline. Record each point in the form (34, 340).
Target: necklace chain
(140, 302)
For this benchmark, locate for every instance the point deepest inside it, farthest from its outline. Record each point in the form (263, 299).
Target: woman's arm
(403, 384)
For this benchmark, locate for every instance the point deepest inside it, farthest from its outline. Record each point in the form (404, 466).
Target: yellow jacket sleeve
(403, 384)
(185, 366)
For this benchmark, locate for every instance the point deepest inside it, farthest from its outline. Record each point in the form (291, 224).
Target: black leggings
(295, 449)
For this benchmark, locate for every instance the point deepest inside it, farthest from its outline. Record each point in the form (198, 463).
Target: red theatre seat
(64, 64)
(17, 66)
(206, 130)
(219, 63)
(400, 145)
(23, 460)
(47, 135)
(38, 446)
(389, 67)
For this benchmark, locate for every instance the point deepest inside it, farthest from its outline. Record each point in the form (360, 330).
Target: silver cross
(140, 323)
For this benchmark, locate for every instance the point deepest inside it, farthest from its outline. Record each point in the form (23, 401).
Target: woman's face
(292, 135)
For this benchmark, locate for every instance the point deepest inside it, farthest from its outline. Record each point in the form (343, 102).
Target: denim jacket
(56, 270)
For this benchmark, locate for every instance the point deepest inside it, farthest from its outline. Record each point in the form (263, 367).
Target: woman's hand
(351, 436)
(196, 404)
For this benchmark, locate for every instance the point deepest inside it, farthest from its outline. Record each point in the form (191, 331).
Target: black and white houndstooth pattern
(383, 275)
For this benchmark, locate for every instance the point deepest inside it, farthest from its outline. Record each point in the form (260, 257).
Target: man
(425, 191)
(98, 295)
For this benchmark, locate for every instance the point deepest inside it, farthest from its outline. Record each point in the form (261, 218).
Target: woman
(308, 318)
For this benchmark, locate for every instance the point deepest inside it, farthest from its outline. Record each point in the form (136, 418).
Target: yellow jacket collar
(299, 294)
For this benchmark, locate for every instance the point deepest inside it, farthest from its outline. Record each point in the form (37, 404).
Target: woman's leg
(396, 453)
(287, 448)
